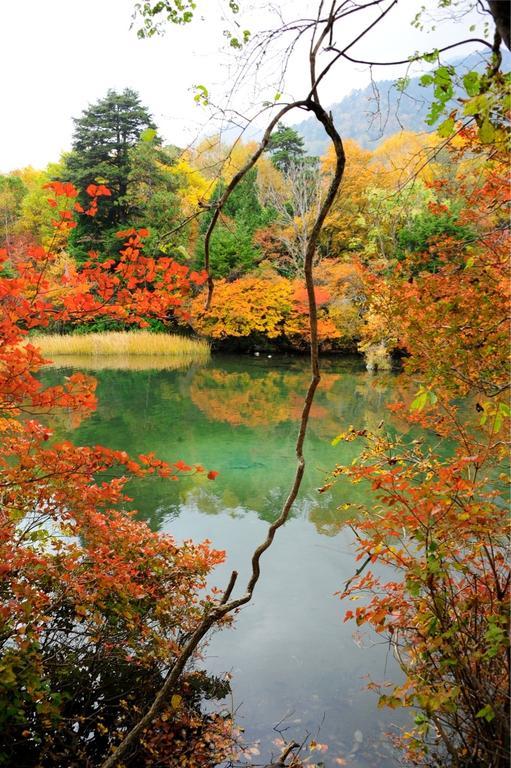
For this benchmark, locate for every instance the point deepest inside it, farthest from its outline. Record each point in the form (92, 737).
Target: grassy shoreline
(121, 344)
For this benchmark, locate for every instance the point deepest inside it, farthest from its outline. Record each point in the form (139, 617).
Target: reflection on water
(123, 362)
(290, 653)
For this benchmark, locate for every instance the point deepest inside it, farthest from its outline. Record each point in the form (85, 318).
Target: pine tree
(103, 137)
(233, 251)
(286, 147)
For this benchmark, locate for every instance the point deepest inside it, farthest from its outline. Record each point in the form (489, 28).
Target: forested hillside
(381, 109)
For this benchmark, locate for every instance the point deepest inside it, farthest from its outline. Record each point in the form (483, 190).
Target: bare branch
(217, 613)
(410, 59)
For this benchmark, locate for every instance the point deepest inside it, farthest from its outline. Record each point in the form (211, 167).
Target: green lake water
(291, 657)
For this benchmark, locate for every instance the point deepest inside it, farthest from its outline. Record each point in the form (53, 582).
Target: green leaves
(175, 12)
(471, 83)
(402, 84)
(495, 637)
(487, 712)
(148, 135)
(442, 80)
(236, 42)
(499, 412)
(422, 398)
(446, 128)
(486, 132)
(485, 100)
(201, 95)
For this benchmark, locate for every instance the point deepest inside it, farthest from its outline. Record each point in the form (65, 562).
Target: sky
(59, 56)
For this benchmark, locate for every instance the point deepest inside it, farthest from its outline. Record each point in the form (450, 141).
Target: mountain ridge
(379, 110)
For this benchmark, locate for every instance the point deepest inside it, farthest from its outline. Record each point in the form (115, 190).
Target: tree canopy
(104, 136)
(286, 147)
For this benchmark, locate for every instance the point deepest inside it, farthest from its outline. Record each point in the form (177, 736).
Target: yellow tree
(407, 155)
(12, 192)
(193, 191)
(345, 225)
(209, 156)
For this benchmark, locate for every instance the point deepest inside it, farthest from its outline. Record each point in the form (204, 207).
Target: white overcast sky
(58, 56)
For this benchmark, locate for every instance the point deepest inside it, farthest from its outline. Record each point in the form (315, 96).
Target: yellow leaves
(345, 223)
(209, 157)
(193, 186)
(10, 425)
(7, 674)
(245, 306)
(407, 154)
(236, 157)
(269, 179)
(316, 746)
(176, 701)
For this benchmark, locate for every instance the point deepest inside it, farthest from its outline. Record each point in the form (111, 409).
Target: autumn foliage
(275, 308)
(93, 604)
(440, 518)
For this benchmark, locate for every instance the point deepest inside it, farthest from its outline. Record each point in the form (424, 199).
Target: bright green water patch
(290, 653)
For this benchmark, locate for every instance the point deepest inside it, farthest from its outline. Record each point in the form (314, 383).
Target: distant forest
(382, 109)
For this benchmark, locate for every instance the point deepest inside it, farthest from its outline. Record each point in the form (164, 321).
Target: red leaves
(437, 517)
(181, 466)
(98, 190)
(71, 563)
(62, 189)
(302, 300)
(198, 278)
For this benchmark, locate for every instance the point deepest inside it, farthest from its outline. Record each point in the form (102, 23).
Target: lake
(296, 668)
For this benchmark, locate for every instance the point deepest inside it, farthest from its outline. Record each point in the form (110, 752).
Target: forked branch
(227, 605)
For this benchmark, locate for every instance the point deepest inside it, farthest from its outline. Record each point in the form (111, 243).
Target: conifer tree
(103, 137)
(286, 147)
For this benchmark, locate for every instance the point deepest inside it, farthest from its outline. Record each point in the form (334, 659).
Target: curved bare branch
(226, 606)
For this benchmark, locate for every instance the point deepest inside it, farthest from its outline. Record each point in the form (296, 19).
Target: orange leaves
(301, 297)
(98, 190)
(272, 308)
(62, 189)
(181, 466)
(248, 305)
(132, 289)
(437, 518)
(88, 591)
(67, 190)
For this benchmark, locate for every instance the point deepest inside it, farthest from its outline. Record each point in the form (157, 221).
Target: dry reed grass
(120, 344)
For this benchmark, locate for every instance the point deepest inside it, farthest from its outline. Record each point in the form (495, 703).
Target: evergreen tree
(152, 197)
(233, 251)
(103, 137)
(286, 147)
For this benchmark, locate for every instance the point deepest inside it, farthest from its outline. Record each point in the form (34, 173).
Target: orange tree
(94, 606)
(440, 518)
(266, 308)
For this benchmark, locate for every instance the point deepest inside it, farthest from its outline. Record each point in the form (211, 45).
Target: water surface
(292, 658)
